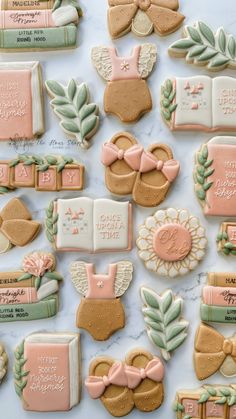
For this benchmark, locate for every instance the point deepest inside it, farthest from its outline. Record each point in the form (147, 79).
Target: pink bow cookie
(97, 385)
(132, 156)
(169, 168)
(154, 370)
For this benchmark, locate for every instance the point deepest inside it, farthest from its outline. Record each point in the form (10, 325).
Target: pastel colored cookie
(127, 94)
(202, 47)
(16, 225)
(3, 363)
(226, 238)
(101, 312)
(26, 4)
(122, 386)
(199, 103)
(47, 371)
(162, 315)
(129, 169)
(142, 17)
(213, 176)
(49, 173)
(171, 242)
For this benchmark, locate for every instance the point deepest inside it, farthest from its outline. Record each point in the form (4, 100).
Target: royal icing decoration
(214, 174)
(171, 242)
(226, 238)
(26, 4)
(101, 312)
(127, 94)
(84, 224)
(47, 371)
(3, 363)
(200, 46)
(78, 117)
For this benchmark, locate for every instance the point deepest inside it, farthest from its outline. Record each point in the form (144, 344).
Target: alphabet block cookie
(101, 312)
(127, 94)
(3, 363)
(122, 386)
(21, 107)
(143, 17)
(171, 242)
(226, 238)
(47, 371)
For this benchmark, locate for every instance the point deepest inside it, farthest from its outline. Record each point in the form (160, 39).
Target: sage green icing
(226, 246)
(218, 314)
(20, 375)
(168, 94)
(51, 223)
(202, 170)
(33, 311)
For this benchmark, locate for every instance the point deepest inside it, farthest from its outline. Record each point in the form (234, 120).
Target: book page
(224, 102)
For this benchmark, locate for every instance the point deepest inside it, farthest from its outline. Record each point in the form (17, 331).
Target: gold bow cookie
(143, 16)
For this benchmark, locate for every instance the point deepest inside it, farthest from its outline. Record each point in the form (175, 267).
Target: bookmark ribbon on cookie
(169, 168)
(112, 153)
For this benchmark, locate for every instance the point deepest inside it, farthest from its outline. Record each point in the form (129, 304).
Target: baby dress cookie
(199, 103)
(162, 314)
(226, 238)
(101, 312)
(146, 174)
(48, 27)
(21, 102)
(3, 363)
(16, 225)
(47, 371)
(30, 293)
(171, 242)
(142, 17)
(127, 94)
(201, 47)
(89, 225)
(121, 386)
(214, 176)
(71, 104)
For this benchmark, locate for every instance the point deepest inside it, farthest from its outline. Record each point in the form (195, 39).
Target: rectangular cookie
(26, 4)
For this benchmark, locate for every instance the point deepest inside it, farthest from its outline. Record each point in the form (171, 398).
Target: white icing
(5, 244)
(224, 101)
(49, 288)
(223, 140)
(65, 15)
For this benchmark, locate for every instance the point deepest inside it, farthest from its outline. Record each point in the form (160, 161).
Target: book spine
(219, 296)
(38, 39)
(222, 279)
(25, 295)
(14, 283)
(24, 312)
(217, 314)
(26, 4)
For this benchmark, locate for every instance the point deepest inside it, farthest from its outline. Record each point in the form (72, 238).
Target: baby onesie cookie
(30, 293)
(146, 174)
(89, 225)
(21, 102)
(101, 312)
(171, 242)
(127, 94)
(3, 363)
(201, 47)
(71, 104)
(213, 352)
(47, 371)
(214, 176)
(199, 103)
(121, 386)
(162, 314)
(142, 17)
(16, 225)
(226, 238)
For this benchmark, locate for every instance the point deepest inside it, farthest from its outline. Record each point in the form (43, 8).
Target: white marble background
(62, 66)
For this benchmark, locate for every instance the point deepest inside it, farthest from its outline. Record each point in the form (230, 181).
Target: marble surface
(62, 66)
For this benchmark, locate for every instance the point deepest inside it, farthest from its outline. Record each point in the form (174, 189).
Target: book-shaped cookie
(226, 238)
(47, 371)
(26, 4)
(219, 298)
(21, 107)
(84, 224)
(32, 293)
(101, 312)
(199, 103)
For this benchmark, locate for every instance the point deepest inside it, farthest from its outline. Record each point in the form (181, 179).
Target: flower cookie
(121, 386)
(3, 363)
(171, 242)
(127, 94)
(142, 17)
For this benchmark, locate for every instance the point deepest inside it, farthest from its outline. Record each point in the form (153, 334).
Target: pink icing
(101, 286)
(172, 242)
(71, 177)
(37, 264)
(47, 178)
(219, 296)
(231, 231)
(4, 173)
(24, 174)
(112, 153)
(21, 295)
(169, 168)
(214, 410)
(20, 19)
(124, 68)
(191, 407)
(232, 412)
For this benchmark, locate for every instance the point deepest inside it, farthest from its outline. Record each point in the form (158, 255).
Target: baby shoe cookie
(226, 238)
(142, 17)
(171, 242)
(127, 94)
(101, 312)
(3, 363)
(162, 314)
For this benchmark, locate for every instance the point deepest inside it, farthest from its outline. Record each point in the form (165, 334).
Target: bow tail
(20, 232)
(120, 19)
(168, 4)
(206, 364)
(164, 20)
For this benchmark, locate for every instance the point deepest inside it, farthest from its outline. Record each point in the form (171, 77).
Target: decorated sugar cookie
(26, 4)
(137, 382)
(3, 363)
(101, 312)
(214, 176)
(127, 94)
(200, 46)
(142, 17)
(171, 242)
(226, 238)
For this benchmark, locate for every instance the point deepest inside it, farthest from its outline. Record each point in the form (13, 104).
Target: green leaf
(176, 342)
(22, 385)
(207, 33)
(72, 87)
(55, 218)
(229, 246)
(49, 236)
(68, 160)
(196, 51)
(219, 61)
(200, 179)
(153, 314)
(24, 276)
(175, 330)
(225, 391)
(183, 44)
(166, 103)
(70, 126)
(82, 96)
(53, 275)
(55, 88)
(201, 194)
(167, 301)
(201, 159)
(20, 348)
(154, 325)
(4, 189)
(66, 111)
(193, 33)
(226, 251)
(208, 163)
(209, 173)
(205, 152)
(18, 390)
(232, 46)
(222, 40)
(223, 400)
(61, 166)
(232, 401)
(87, 110)
(51, 159)
(212, 391)
(201, 170)
(207, 186)
(22, 362)
(14, 162)
(60, 101)
(29, 162)
(43, 168)
(204, 397)
(173, 312)
(37, 282)
(173, 107)
(150, 299)
(207, 55)
(157, 339)
(88, 125)
(166, 114)
(225, 235)
(219, 237)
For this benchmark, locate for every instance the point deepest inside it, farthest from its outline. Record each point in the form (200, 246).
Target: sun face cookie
(143, 17)
(202, 47)
(78, 117)
(171, 242)
(226, 238)
(47, 371)
(122, 386)
(127, 94)
(101, 312)
(3, 363)
(146, 174)
(162, 315)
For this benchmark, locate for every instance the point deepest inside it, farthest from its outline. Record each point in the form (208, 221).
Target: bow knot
(143, 4)
(112, 153)
(169, 168)
(120, 154)
(142, 373)
(106, 381)
(229, 347)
